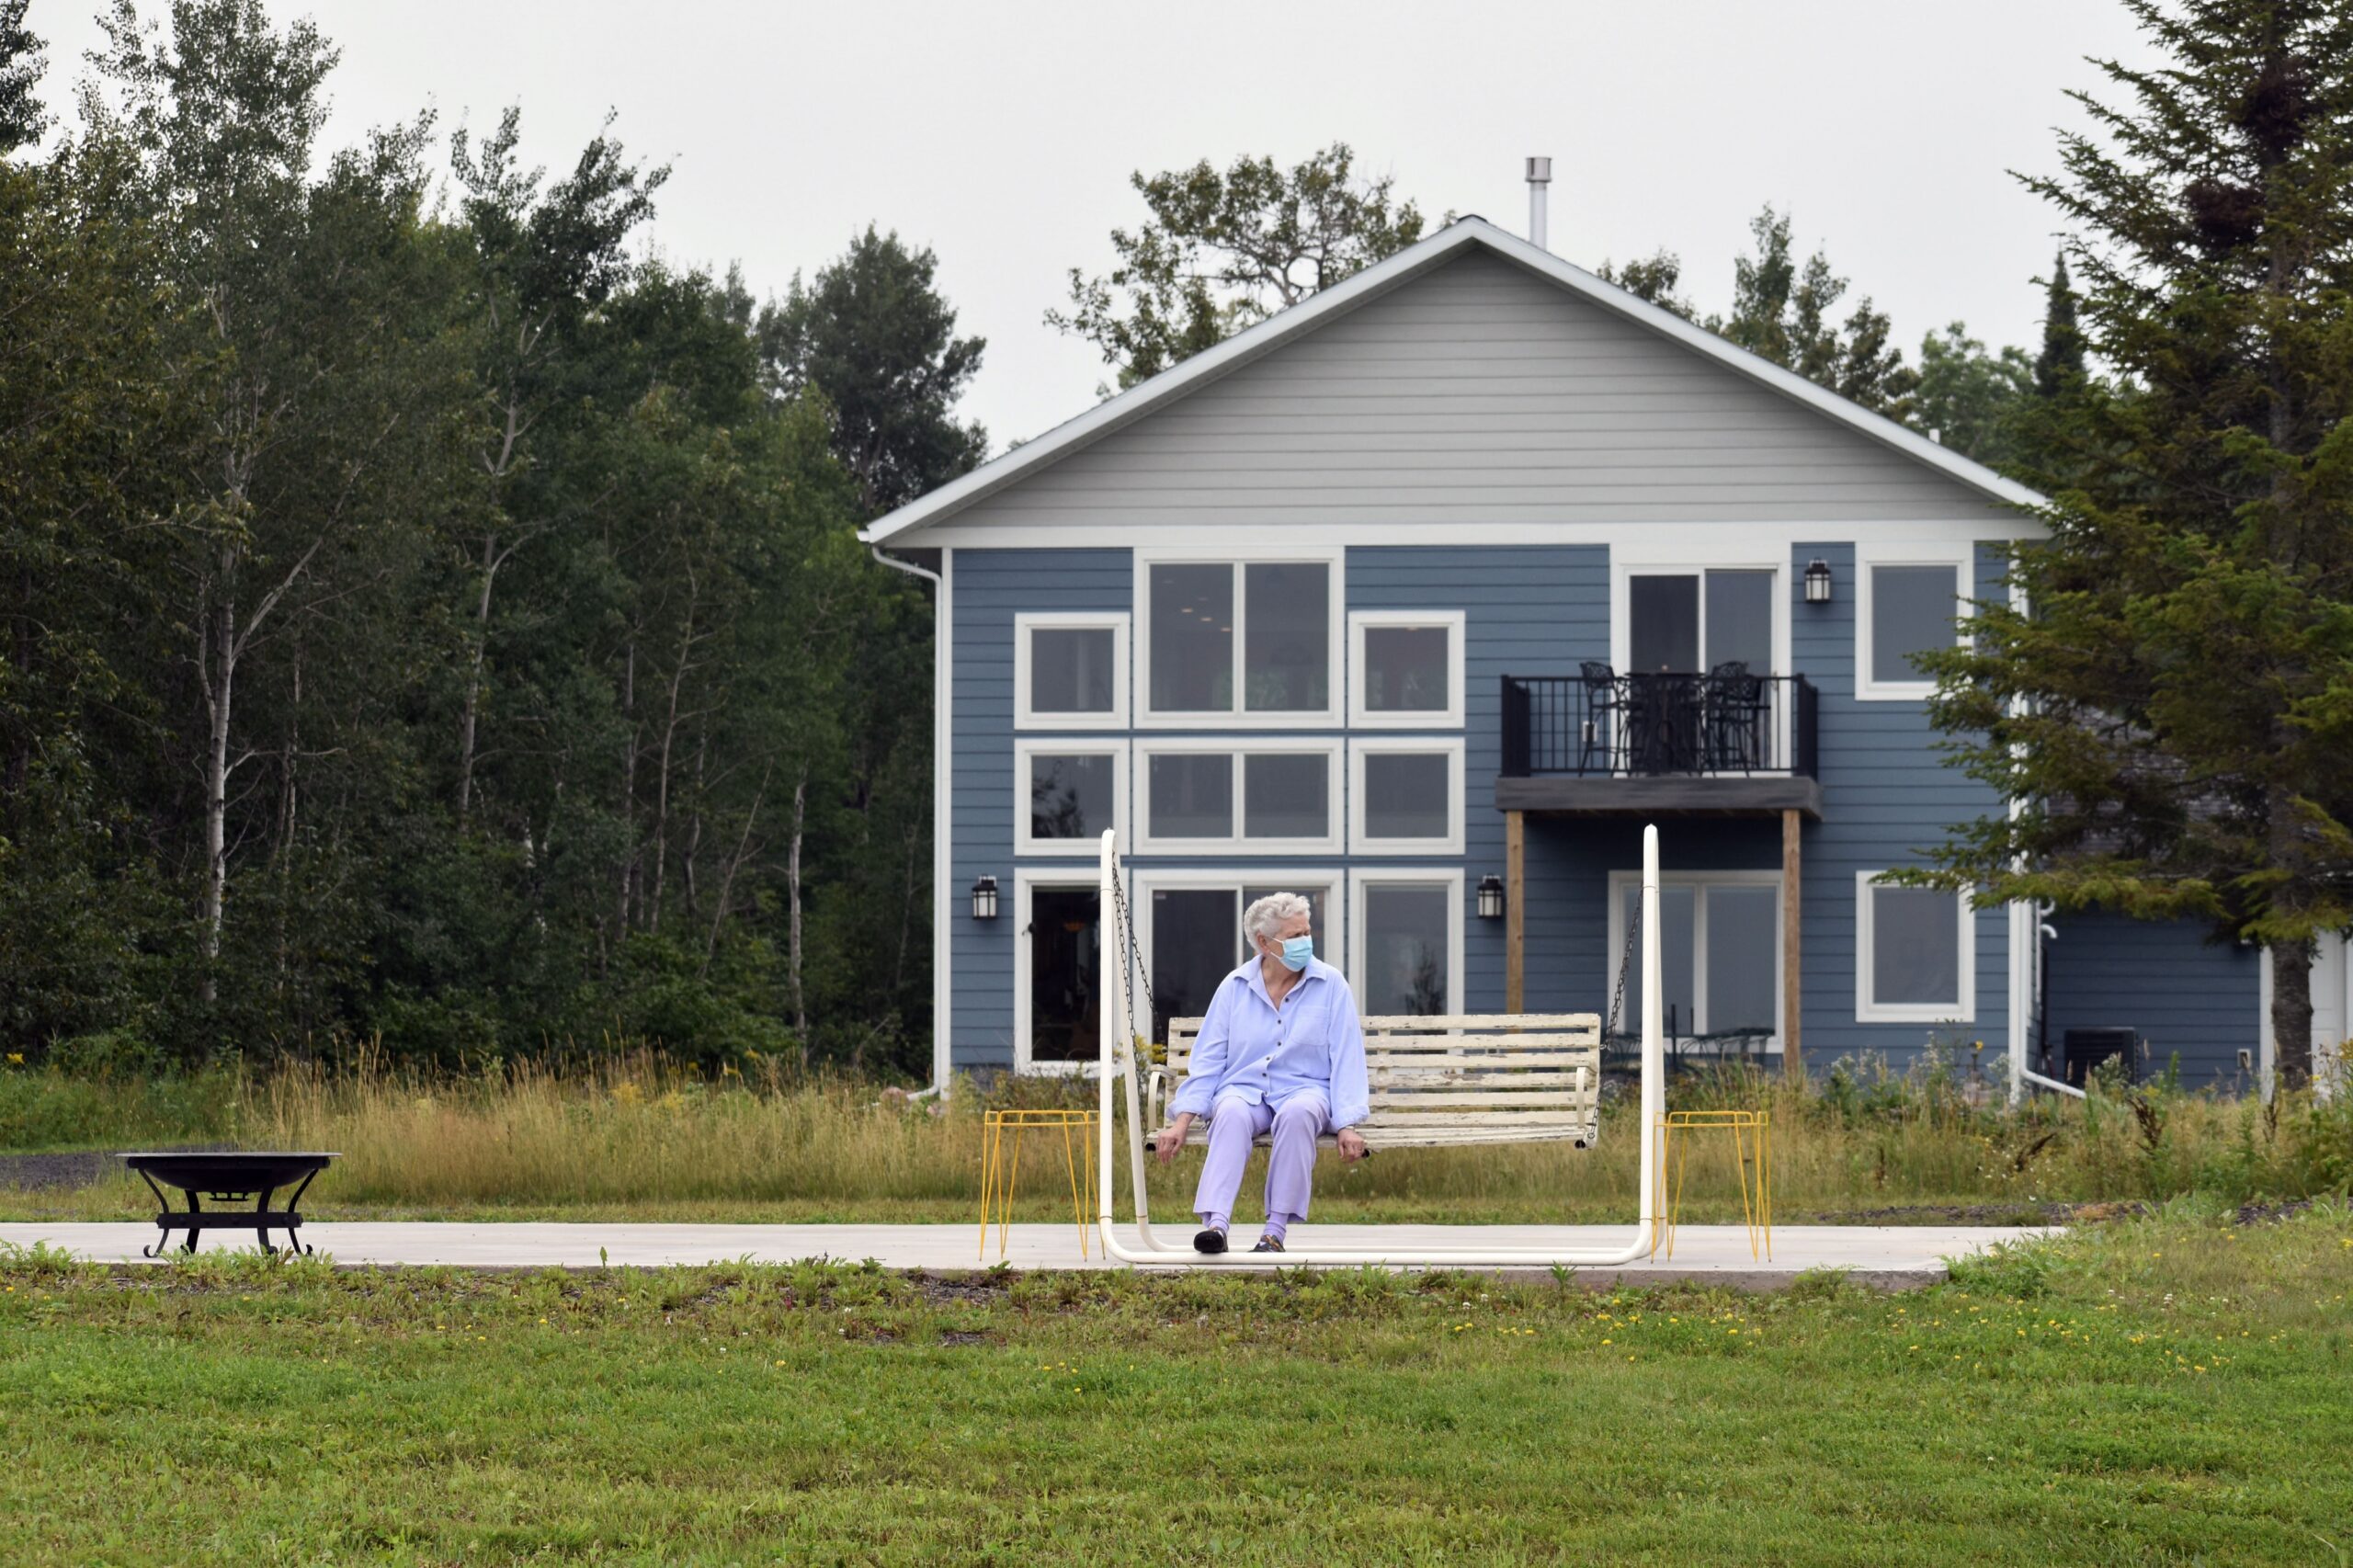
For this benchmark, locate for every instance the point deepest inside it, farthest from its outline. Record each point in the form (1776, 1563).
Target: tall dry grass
(641, 1136)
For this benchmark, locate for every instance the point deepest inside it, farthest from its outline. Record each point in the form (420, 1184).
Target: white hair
(1267, 916)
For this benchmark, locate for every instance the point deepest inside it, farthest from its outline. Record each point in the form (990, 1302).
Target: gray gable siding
(990, 586)
(1887, 793)
(1479, 392)
(2186, 995)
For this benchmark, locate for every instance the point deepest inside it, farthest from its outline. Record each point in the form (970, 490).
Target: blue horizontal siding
(2186, 996)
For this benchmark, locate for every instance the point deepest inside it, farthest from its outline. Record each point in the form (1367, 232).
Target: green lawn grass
(2167, 1389)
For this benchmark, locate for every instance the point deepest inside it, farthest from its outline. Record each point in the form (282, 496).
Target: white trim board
(1868, 1011)
(943, 818)
(1619, 881)
(1454, 622)
(1463, 234)
(1452, 749)
(1701, 538)
(1025, 622)
(1365, 878)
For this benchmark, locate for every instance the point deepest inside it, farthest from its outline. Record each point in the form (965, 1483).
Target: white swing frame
(1117, 1060)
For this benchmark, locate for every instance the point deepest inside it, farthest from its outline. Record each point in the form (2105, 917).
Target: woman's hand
(1172, 1137)
(1351, 1144)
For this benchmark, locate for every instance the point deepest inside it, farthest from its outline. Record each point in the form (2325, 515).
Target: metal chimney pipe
(1540, 176)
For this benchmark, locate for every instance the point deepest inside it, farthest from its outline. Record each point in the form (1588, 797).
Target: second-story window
(1070, 671)
(1694, 622)
(1240, 639)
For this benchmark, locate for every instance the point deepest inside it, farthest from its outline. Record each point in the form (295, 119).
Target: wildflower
(16, 1058)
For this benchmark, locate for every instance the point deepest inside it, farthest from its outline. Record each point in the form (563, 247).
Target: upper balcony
(1674, 743)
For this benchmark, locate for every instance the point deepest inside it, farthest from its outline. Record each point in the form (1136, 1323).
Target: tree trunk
(2291, 1015)
(792, 884)
(473, 681)
(219, 675)
(629, 790)
(661, 775)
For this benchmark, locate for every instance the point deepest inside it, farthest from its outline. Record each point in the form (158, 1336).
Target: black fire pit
(228, 1178)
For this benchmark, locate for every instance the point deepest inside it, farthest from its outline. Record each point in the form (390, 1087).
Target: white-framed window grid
(1028, 747)
(1868, 1009)
(1623, 882)
(1240, 748)
(1361, 841)
(1025, 622)
(1239, 716)
(1363, 882)
(1621, 627)
(1960, 555)
(1362, 716)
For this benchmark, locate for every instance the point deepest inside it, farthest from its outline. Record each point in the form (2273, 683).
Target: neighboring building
(1466, 568)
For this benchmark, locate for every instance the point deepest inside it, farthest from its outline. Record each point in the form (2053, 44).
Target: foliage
(874, 335)
(1222, 252)
(426, 626)
(2176, 709)
(2158, 1390)
(1969, 398)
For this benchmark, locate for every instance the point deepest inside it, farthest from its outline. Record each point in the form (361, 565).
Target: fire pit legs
(228, 1177)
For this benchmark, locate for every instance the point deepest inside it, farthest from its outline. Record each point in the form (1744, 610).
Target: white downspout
(941, 629)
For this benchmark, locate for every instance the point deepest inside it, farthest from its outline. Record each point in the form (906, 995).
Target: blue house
(1419, 598)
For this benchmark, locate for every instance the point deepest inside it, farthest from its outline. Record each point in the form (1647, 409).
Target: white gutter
(942, 627)
(2039, 1082)
(1148, 1251)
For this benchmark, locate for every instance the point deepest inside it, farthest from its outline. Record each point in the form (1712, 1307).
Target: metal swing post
(1145, 1250)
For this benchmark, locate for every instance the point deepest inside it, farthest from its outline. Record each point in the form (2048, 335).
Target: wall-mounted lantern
(985, 899)
(1817, 581)
(1491, 897)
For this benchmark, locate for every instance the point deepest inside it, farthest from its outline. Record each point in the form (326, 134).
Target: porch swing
(1436, 1081)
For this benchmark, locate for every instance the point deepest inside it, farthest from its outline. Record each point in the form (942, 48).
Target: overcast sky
(1003, 135)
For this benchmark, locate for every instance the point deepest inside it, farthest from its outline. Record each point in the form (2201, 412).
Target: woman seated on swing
(1281, 1048)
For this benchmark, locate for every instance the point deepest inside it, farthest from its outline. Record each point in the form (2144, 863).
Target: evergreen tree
(2174, 715)
(2059, 365)
(1781, 311)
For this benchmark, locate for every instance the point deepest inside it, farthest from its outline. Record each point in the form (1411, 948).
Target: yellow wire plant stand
(1752, 1143)
(1000, 1167)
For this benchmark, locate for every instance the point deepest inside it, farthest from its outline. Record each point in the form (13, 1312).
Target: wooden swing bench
(1452, 1081)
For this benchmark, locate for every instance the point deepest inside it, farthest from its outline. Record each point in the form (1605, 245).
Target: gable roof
(1457, 239)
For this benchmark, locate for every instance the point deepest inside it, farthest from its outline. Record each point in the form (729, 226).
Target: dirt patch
(2262, 1213)
(1982, 1214)
(952, 1337)
(940, 1289)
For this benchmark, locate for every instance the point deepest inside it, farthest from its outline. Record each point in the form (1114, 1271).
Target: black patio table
(228, 1177)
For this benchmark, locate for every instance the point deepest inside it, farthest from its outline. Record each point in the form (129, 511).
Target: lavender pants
(1234, 1123)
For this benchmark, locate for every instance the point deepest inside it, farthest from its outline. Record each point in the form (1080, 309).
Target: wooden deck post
(1792, 898)
(1515, 911)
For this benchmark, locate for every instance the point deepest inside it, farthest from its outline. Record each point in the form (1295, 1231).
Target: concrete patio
(1888, 1257)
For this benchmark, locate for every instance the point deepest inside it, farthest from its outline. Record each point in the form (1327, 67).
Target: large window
(1408, 957)
(1405, 797)
(1254, 796)
(1405, 669)
(1719, 955)
(1192, 931)
(1247, 640)
(1690, 621)
(1904, 609)
(1065, 793)
(1916, 960)
(1070, 671)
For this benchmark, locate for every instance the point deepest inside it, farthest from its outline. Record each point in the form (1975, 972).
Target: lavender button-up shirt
(1250, 1049)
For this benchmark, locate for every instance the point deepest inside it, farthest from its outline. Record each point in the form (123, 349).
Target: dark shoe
(1268, 1244)
(1211, 1242)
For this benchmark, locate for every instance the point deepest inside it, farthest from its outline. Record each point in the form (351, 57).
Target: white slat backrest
(1486, 1078)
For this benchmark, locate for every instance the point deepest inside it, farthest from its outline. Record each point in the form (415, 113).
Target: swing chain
(1618, 998)
(1132, 969)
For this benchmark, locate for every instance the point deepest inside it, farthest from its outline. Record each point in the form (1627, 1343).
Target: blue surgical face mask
(1297, 951)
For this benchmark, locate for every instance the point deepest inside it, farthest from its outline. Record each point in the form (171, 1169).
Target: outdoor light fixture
(985, 899)
(1817, 581)
(1491, 897)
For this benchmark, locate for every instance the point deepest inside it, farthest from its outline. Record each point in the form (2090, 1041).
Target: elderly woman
(1279, 1049)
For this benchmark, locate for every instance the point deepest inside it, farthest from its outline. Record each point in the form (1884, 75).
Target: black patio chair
(1598, 732)
(1735, 718)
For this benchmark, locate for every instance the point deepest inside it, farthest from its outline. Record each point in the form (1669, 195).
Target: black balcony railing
(1603, 724)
